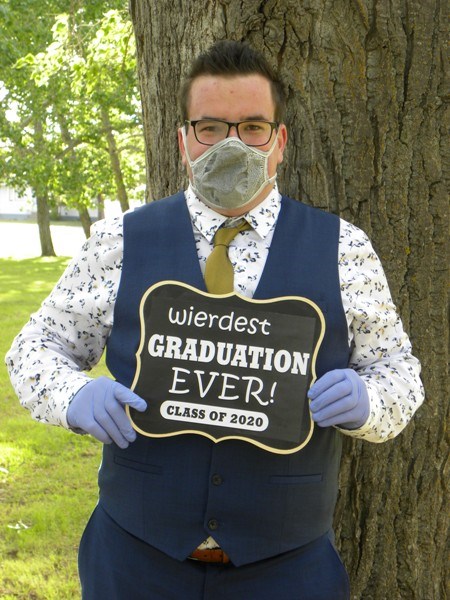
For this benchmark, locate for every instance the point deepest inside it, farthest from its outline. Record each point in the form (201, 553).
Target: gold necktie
(219, 274)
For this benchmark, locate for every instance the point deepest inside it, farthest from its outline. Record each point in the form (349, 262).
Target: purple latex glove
(339, 398)
(98, 409)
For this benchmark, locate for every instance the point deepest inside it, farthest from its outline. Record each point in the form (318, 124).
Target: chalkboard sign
(226, 367)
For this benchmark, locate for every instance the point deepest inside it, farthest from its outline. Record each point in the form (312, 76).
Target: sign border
(246, 299)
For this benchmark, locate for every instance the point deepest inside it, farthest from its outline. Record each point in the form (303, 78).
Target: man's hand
(98, 409)
(339, 398)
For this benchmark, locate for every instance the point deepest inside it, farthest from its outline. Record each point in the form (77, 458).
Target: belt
(214, 555)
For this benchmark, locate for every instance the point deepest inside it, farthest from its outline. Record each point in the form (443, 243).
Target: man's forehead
(231, 80)
(216, 90)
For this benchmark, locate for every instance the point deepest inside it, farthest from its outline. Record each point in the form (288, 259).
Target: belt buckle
(213, 555)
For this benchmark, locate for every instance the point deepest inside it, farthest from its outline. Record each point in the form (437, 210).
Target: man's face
(233, 99)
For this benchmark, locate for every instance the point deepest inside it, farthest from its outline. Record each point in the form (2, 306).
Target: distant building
(16, 206)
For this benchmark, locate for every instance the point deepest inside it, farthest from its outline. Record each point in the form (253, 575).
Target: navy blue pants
(115, 565)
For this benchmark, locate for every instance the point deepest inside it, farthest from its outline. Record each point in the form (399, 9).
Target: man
(182, 516)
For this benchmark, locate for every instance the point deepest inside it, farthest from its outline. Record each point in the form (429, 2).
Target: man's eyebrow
(249, 118)
(255, 118)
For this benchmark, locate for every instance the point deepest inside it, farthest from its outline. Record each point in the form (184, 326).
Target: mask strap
(186, 151)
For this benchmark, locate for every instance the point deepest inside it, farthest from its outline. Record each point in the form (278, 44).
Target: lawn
(48, 476)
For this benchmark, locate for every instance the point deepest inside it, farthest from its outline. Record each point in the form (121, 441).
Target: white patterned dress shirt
(67, 335)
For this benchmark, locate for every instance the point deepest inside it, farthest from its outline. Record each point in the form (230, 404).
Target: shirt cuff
(62, 397)
(372, 430)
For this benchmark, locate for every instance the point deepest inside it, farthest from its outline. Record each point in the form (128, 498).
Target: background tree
(366, 117)
(70, 116)
(23, 109)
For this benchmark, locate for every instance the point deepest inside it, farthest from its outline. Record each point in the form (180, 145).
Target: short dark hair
(228, 58)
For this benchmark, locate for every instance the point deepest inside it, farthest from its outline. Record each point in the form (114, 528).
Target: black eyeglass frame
(273, 125)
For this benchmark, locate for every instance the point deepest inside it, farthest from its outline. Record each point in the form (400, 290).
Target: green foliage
(60, 82)
(47, 475)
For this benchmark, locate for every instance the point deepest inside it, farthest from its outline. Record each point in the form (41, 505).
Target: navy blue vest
(174, 492)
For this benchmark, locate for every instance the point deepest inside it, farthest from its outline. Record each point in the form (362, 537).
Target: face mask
(229, 174)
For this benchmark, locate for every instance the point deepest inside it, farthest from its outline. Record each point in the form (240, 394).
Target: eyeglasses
(252, 133)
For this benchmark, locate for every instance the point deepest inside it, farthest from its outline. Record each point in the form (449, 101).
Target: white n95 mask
(229, 174)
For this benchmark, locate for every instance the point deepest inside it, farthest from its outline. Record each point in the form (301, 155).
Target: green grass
(48, 476)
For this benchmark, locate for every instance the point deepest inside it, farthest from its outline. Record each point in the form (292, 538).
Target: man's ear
(282, 140)
(182, 148)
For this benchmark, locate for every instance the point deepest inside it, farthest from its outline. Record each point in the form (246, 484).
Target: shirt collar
(207, 221)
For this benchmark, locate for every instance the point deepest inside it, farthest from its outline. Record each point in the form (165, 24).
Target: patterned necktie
(219, 274)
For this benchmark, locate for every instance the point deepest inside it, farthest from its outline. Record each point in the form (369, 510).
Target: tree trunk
(41, 195)
(115, 160)
(100, 207)
(70, 143)
(43, 220)
(85, 220)
(366, 114)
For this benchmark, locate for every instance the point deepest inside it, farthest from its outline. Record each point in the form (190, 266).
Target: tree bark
(115, 160)
(366, 121)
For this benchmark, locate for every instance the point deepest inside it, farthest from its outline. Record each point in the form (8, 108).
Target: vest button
(216, 479)
(213, 524)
